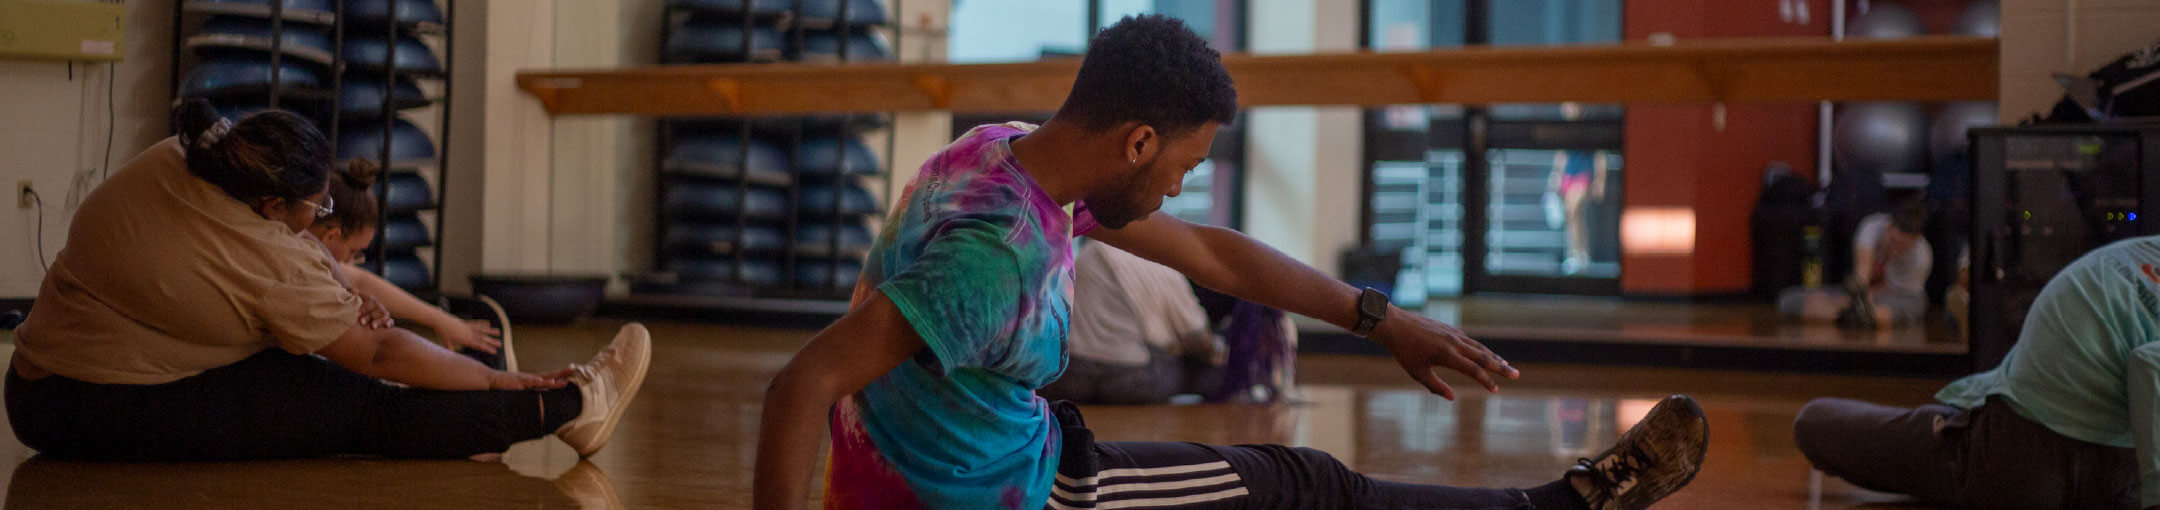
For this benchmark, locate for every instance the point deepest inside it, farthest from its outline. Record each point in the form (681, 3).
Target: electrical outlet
(22, 194)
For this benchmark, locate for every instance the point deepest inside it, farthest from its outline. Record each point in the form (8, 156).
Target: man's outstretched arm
(862, 346)
(1229, 261)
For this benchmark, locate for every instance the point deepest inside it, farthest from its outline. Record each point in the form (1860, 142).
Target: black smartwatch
(1372, 307)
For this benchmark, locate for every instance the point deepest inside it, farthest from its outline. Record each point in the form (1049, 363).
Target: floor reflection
(47, 483)
(1744, 324)
(691, 439)
(1406, 435)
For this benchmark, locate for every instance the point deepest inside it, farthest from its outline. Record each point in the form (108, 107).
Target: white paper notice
(97, 47)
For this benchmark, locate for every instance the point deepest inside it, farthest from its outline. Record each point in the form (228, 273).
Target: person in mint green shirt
(2067, 420)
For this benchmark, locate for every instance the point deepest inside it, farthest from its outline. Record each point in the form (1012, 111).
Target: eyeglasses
(322, 210)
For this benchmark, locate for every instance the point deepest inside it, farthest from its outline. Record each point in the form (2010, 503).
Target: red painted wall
(1676, 155)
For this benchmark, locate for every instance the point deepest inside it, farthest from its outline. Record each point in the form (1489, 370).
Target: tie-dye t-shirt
(979, 260)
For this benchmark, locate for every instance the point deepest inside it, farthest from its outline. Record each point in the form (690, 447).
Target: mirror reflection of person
(1891, 262)
(1579, 179)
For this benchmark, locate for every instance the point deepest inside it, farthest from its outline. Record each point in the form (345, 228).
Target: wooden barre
(1744, 70)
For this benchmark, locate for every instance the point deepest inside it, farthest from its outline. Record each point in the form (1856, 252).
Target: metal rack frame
(387, 114)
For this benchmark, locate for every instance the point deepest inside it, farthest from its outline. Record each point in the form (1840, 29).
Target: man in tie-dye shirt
(927, 385)
(979, 231)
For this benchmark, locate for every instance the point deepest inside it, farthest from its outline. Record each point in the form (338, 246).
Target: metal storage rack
(762, 212)
(322, 58)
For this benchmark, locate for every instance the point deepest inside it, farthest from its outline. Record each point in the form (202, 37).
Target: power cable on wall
(112, 70)
(40, 201)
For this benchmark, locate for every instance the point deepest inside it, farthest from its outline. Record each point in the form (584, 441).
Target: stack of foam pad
(249, 55)
(767, 206)
(357, 70)
(393, 50)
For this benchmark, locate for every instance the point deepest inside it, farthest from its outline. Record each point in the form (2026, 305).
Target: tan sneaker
(1654, 459)
(608, 382)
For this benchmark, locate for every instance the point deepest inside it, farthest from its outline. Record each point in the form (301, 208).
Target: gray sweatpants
(1987, 457)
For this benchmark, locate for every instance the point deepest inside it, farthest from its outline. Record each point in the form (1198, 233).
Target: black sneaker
(1652, 460)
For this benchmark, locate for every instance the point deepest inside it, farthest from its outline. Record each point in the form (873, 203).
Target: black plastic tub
(543, 298)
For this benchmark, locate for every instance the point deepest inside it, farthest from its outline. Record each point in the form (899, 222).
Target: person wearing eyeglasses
(190, 316)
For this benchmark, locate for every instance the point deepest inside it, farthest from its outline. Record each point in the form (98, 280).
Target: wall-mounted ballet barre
(1930, 68)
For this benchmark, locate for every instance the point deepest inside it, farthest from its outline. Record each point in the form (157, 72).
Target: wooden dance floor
(690, 439)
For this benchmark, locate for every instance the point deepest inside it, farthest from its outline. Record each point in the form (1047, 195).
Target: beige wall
(920, 134)
(2040, 37)
(602, 176)
(515, 140)
(534, 193)
(459, 242)
(53, 132)
(1301, 186)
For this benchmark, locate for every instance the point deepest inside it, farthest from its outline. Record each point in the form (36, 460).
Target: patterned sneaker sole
(1702, 451)
(509, 351)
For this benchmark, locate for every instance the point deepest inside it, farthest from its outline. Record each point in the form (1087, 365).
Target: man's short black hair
(1154, 70)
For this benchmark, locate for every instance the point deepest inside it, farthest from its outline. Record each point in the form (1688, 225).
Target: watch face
(1373, 304)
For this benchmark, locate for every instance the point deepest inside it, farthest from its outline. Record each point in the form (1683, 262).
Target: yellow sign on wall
(62, 30)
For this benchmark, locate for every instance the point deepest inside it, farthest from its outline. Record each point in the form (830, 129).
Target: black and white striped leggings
(1134, 475)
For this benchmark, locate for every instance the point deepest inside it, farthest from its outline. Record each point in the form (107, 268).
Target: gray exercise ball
(1884, 20)
(1946, 133)
(1981, 18)
(1880, 136)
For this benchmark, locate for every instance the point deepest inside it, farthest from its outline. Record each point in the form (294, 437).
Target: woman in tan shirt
(178, 323)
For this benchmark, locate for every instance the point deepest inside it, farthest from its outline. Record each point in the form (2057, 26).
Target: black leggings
(1193, 475)
(275, 405)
